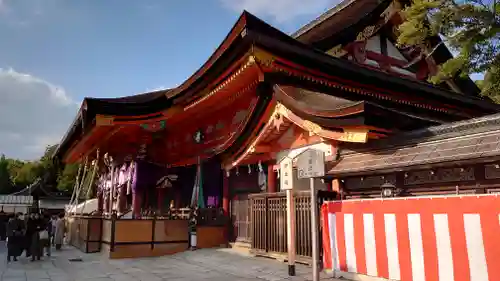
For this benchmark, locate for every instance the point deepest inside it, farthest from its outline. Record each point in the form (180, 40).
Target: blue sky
(55, 52)
(119, 47)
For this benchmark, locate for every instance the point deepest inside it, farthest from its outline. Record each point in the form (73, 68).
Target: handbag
(44, 234)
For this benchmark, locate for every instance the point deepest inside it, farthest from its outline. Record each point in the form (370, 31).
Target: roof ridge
(321, 18)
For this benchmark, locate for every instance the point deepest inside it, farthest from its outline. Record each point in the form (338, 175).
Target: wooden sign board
(286, 173)
(311, 164)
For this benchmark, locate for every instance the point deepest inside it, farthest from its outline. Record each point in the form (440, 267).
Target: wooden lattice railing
(268, 227)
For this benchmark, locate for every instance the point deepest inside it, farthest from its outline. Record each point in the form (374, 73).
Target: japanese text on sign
(286, 174)
(311, 164)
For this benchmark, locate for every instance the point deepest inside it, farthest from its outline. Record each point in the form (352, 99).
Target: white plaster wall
(392, 51)
(373, 44)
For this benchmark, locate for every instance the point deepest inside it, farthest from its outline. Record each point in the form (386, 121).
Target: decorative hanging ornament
(278, 174)
(249, 169)
(228, 173)
(260, 168)
(237, 171)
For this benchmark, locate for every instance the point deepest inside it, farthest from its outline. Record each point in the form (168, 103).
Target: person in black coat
(14, 231)
(28, 234)
(33, 228)
(4, 219)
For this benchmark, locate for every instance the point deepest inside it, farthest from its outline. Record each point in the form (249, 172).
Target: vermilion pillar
(272, 179)
(225, 194)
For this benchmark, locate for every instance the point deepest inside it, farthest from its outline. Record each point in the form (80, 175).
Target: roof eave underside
(140, 104)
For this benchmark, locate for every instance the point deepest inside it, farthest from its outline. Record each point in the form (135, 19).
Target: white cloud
(155, 89)
(33, 114)
(280, 10)
(24, 13)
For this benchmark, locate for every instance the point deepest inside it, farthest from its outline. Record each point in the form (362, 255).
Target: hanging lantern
(261, 170)
(249, 169)
(228, 173)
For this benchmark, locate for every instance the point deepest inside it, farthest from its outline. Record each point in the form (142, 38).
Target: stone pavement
(215, 264)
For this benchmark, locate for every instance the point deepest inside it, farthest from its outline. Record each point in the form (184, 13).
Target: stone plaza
(212, 264)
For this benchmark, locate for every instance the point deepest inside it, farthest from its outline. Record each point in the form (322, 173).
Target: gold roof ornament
(263, 57)
(337, 51)
(366, 33)
(104, 120)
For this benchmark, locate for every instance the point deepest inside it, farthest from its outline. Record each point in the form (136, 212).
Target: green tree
(27, 174)
(15, 166)
(6, 185)
(67, 178)
(47, 169)
(470, 28)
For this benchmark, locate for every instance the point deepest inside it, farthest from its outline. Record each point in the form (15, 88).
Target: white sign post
(286, 183)
(311, 164)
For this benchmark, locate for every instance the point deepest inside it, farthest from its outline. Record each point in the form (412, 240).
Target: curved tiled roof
(469, 140)
(249, 32)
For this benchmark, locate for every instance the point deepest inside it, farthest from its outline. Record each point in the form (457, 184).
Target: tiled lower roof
(472, 139)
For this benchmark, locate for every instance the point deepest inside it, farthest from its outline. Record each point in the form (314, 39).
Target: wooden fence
(147, 236)
(85, 233)
(240, 217)
(268, 226)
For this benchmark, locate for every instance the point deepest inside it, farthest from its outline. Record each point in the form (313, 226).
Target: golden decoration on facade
(366, 33)
(337, 51)
(104, 120)
(263, 57)
(311, 127)
(354, 136)
(222, 85)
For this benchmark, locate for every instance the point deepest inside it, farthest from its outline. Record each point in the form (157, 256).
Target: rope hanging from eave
(75, 187)
(95, 164)
(82, 180)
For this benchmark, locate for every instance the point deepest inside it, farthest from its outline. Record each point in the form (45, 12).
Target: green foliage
(27, 174)
(470, 28)
(6, 185)
(23, 173)
(67, 178)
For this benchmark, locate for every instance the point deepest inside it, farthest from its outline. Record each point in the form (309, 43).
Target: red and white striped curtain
(452, 238)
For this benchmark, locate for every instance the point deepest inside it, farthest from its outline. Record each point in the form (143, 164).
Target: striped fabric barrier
(452, 238)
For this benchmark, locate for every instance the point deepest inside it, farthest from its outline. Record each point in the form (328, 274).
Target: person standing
(59, 233)
(33, 231)
(45, 234)
(53, 222)
(28, 234)
(4, 219)
(14, 236)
